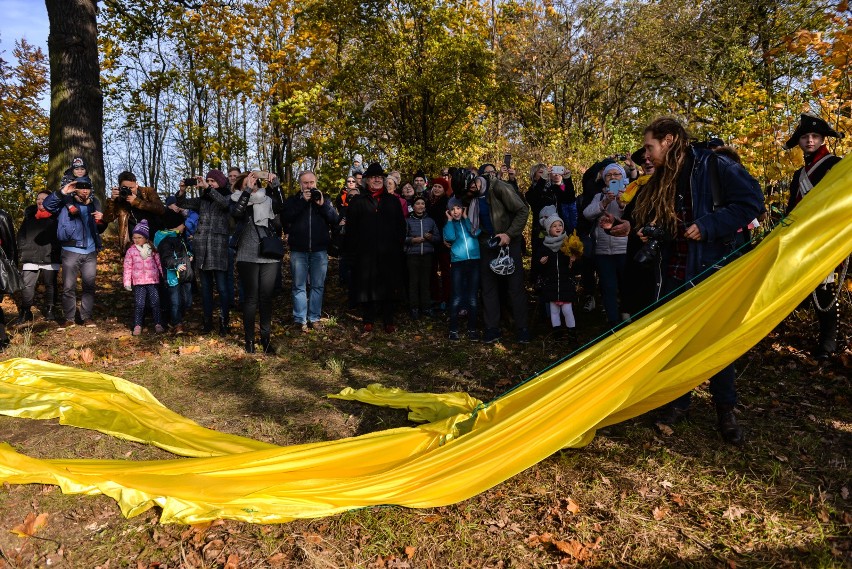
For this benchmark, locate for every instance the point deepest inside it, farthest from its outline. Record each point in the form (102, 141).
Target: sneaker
(453, 335)
(368, 327)
(137, 330)
(177, 329)
(523, 336)
(300, 327)
(473, 335)
(590, 304)
(158, 328)
(89, 323)
(492, 335)
(315, 325)
(65, 324)
(390, 328)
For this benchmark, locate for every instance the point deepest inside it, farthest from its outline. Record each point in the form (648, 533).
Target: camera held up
(650, 251)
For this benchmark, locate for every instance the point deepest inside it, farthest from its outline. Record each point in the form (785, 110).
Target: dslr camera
(190, 181)
(316, 195)
(125, 191)
(650, 251)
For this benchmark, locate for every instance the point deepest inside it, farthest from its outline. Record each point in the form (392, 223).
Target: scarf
(377, 193)
(554, 243)
(144, 250)
(42, 214)
(473, 210)
(261, 206)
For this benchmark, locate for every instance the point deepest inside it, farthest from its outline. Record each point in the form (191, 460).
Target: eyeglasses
(350, 181)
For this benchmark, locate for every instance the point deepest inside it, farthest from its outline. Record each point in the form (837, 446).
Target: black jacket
(308, 224)
(7, 237)
(37, 242)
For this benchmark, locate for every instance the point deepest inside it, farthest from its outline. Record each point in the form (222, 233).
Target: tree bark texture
(76, 99)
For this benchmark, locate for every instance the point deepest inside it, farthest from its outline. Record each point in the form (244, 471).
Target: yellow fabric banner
(468, 447)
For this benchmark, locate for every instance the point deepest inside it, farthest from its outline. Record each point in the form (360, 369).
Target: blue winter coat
(69, 228)
(464, 245)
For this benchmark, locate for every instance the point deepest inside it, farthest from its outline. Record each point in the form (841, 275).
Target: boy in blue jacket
(464, 264)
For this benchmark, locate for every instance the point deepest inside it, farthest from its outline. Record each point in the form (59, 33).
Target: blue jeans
(207, 278)
(611, 272)
(465, 277)
(307, 307)
(180, 299)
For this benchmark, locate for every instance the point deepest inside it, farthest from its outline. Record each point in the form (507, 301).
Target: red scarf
(376, 194)
(42, 214)
(818, 155)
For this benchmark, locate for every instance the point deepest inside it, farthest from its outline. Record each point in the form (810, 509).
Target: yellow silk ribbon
(467, 447)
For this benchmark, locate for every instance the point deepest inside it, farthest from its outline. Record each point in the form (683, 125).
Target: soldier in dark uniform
(810, 137)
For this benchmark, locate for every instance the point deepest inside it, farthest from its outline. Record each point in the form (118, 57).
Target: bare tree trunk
(76, 100)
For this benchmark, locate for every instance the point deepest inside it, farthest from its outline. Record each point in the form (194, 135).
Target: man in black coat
(810, 137)
(10, 248)
(375, 234)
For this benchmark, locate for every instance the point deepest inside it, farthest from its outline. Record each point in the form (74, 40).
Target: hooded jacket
(464, 246)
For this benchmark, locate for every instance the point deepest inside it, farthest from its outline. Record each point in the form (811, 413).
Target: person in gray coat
(210, 243)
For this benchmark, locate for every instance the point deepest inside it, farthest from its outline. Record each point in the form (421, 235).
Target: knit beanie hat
(550, 220)
(142, 229)
(614, 166)
(440, 182)
(170, 219)
(454, 202)
(220, 178)
(170, 200)
(78, 162)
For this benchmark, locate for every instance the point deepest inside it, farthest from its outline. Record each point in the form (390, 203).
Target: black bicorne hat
(808, 124)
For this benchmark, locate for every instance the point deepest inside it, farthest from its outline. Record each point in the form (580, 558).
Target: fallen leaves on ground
(186, 350)
(32, 523)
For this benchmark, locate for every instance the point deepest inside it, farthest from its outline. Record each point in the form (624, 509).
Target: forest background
(420, 84)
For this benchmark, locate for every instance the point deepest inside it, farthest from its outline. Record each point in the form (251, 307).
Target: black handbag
(187, 275)
(11, 280)
(271, 246)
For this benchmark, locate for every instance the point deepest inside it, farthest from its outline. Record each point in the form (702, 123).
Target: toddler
(556, 256)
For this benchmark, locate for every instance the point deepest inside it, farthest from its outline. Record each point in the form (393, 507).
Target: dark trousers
(86, 265)
(440, 281)
(258, 282)
(207, 279)
(419, 271)
(722, 387)
(514, 282)
(465, 290)
(31, 279)
(611, 273)
(827, 320)
(144, 296)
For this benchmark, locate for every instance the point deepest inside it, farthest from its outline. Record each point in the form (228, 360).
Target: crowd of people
(638, 229)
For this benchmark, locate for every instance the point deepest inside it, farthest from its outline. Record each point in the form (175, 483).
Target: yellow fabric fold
(641, 367)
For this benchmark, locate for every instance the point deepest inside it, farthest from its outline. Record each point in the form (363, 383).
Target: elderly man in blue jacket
(79, 224)
(687, 222)
(310, 217)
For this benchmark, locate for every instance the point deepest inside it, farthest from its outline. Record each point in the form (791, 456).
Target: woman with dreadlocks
(685, 224)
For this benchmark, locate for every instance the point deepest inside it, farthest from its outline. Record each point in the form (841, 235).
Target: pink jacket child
(141, 266)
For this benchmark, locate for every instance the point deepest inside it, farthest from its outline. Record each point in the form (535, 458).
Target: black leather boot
(250, 346)
(729, 428)
(207, 326)
(268, 348)
(25, 315)
(224, 327)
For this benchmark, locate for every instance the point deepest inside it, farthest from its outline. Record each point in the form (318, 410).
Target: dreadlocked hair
(655, 204)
